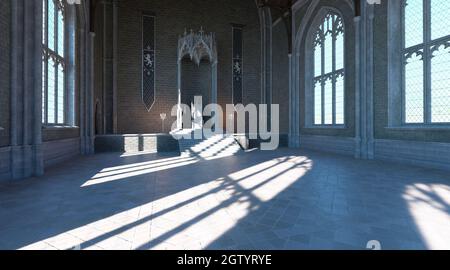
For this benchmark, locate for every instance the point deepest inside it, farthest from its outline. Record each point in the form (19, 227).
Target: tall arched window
(426, 65)
(329, 71)
(53, 63)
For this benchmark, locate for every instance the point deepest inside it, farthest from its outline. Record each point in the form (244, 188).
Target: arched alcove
(197, 73)
(196, 80)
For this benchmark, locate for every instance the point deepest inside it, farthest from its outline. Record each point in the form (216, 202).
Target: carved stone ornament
(198, 46)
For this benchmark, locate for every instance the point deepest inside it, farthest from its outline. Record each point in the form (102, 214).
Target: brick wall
(280, 69)
(5, 19)
(172, 17)
(54, 134)
(98, 69)
(195, 81)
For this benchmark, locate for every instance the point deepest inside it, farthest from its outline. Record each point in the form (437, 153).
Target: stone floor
(286, 199)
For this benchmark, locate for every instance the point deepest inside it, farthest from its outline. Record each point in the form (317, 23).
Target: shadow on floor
(286, 199)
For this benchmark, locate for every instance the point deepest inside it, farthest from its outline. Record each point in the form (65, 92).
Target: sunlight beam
(138, 173)
(429, 205)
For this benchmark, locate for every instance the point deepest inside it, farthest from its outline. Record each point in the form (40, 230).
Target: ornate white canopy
(198, 46)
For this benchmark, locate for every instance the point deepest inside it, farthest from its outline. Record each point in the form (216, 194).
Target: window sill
(420, 127)
(56, 127)
(326, 127)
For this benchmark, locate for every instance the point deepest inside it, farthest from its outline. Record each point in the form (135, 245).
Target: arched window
(54, 63)
(329, 71)
(426, 64)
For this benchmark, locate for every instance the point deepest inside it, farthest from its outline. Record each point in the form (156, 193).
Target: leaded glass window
(53, 63)
(329, 71)
(426, 79)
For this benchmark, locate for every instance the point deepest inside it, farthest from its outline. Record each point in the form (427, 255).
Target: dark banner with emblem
(237, 64)
(148, 60)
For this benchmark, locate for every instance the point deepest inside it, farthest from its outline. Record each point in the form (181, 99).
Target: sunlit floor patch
(137, 171)
(429, 205)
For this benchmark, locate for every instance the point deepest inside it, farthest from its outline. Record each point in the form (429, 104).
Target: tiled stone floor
(286, 199)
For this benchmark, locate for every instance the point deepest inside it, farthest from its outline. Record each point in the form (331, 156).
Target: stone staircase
(216, 146)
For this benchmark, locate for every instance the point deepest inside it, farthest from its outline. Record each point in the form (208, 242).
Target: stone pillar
(71, 69)
(36, 32)
(90, 112)
(82, 86)
(358, 139)
(16, 85)
(266, 56)
(108, 66)
(26, 89)
(294, 121)
(214, 94)
(86, 60)
(294, 87)
(115, 59)
(179, 109)
(369, 83)
(364, 102)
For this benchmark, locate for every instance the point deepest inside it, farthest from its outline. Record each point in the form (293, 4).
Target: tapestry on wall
(237, 64)
(148, 60)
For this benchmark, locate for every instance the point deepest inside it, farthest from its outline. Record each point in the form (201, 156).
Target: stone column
(358, 139)
(294, 121)
(71, 68)
(179, 110)
(214, 94)
(266, 56)
(108, 66)
(364, 102)
(86, 60)
(90, 75)
(114, 71)
(81, 33)
(26, 89)
(369, 83)
(294, 87)
(36, 33)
